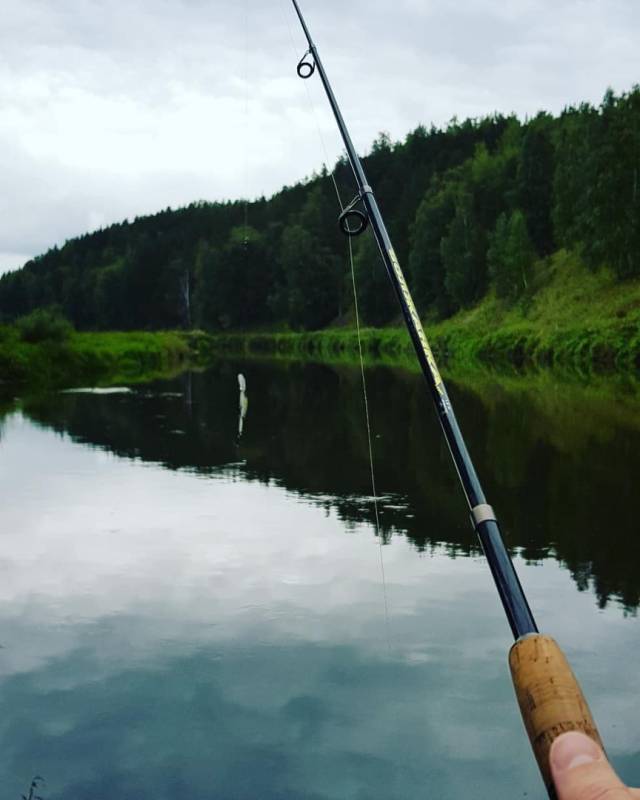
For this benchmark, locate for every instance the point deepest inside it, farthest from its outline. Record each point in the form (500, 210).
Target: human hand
(581, 771)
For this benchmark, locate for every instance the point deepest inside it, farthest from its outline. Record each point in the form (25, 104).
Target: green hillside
(507, 230)
(573, 318)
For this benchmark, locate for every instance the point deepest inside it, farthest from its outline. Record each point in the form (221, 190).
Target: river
(197, 605)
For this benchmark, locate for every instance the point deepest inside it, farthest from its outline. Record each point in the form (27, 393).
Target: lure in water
(243, 405)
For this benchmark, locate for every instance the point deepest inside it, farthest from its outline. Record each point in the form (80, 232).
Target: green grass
(571, 318)
(96, 358)
(332, 344)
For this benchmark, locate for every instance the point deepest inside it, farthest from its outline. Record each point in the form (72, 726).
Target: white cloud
(114, 110)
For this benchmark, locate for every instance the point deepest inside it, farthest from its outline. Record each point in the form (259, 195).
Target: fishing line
(371, 467)
(314, 112)
(360, 354)
(246, 126)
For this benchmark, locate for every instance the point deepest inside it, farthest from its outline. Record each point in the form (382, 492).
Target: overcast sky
(113, 109)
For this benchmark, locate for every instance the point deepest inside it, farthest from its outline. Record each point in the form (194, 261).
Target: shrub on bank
(44, 325)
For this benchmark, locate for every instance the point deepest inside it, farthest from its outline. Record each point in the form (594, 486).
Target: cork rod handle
(550, 699)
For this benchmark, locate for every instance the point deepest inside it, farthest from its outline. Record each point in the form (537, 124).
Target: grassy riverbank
(571, 318)
(95, 358)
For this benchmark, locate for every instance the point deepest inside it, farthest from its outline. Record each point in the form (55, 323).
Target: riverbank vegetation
(521, 241)
(572, 318)
(43, 349)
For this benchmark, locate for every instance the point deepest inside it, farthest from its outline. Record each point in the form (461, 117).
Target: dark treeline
(468, 208)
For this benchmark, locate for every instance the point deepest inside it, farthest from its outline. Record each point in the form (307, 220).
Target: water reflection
(559, 467)
(185, 616)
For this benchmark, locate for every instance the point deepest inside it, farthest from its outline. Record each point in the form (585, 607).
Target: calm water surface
(186, 612)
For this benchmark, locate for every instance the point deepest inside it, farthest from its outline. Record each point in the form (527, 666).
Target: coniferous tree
(535, 181)
(375, 294)
(574, 177)
(206, 308)
(312, 279)
(510, 256)
(110, 297)
(426, 265)
(463, 256)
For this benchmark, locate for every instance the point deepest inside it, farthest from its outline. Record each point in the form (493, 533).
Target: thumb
(581, 771)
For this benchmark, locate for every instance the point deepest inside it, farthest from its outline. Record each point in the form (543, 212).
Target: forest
(470, 209)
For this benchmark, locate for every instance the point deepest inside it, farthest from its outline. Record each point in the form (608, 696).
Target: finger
(581, 771)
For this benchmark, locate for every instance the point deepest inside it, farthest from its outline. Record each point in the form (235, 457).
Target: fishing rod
(550, 699)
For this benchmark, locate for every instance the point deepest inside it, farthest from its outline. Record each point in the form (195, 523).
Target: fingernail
(573, 749)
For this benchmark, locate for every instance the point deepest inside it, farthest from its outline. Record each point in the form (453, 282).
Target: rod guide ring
(360, 219)
(306, 68)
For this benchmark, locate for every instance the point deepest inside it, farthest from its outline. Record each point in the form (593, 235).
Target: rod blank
(513, 598)
(549, 696)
